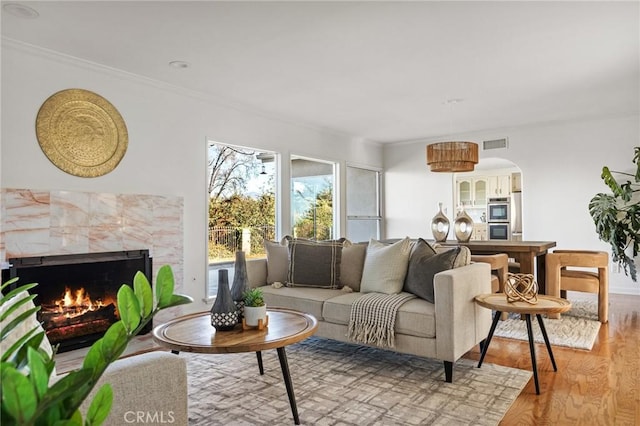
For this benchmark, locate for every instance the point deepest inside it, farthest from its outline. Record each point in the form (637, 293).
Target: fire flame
(76, 303)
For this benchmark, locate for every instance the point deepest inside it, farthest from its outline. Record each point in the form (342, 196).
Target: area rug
(577, 328)
(343, 384)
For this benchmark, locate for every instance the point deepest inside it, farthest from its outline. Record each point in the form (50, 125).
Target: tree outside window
(241, 201)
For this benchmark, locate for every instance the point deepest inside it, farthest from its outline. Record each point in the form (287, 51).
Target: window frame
(380, 216)
(210, 278)
(335, 173)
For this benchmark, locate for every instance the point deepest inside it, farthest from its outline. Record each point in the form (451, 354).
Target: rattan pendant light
(452, 156)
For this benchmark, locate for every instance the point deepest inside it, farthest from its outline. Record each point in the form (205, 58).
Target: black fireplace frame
(16, 265)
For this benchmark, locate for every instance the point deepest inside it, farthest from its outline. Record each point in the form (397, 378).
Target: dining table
(529, 254)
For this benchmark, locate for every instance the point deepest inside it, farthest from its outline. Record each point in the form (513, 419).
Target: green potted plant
(617, 215)
(254, 307)
(29, 398)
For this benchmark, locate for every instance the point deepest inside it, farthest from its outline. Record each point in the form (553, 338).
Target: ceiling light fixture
(20, 10)
(179, 64)
(452, 156)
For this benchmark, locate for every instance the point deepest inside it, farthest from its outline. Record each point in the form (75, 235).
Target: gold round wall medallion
(81, 133)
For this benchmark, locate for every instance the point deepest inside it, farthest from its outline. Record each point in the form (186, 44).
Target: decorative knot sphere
(521, 288)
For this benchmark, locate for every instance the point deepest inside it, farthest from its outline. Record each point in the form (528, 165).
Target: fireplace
(77, 293)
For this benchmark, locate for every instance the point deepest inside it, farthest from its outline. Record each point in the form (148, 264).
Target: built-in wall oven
(499, 210)
(499, 218)
(499, 231)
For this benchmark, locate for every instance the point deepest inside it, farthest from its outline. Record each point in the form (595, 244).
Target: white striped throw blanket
(373, 318)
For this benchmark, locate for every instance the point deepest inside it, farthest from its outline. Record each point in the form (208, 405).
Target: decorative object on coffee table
(440, 225)
(255, 310)
(521, 288)
(81, 133)
(463, 226)
(239, 283)
(224, 314)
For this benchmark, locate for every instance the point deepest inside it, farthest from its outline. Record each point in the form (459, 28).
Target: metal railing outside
(224, 241)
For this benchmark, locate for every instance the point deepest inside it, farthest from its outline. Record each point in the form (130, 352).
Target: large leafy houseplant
(26, 395)
(617, 215)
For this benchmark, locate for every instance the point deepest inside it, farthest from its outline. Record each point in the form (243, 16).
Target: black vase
(224, 314)
(240, 282)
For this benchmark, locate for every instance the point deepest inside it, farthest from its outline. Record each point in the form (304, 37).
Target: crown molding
(212, 99)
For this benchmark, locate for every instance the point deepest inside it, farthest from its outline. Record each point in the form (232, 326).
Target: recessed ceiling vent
(495, 144)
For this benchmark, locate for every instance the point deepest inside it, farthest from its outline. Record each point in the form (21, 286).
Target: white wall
(168, 129)
(560, 163)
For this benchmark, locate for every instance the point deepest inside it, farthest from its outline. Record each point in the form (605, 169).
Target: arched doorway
(492, 196)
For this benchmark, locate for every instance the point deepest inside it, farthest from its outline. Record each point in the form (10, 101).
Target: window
(313, 206)
(241, 208)
(364, 218)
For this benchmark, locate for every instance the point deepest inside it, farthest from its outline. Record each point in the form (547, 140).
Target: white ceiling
(382, 71)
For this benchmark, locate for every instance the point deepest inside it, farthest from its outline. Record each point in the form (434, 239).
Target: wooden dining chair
(561, 276)
(499, 268)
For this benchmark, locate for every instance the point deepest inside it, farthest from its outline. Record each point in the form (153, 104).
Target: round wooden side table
(546, 305)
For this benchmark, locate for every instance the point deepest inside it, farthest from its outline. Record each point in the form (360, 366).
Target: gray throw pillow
(424, 264)
(420, 251)
(277, 261)
(314, 263)
(421, 247)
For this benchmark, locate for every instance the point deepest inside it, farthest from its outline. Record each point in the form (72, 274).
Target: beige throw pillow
(385, 267)
(277, 261)
(352, 264)
(463, 258)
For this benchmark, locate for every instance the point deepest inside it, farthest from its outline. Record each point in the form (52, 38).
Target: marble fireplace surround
(51, 222)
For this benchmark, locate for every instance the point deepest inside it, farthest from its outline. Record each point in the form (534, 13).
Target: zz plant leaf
(100, 406)
(142, 289)
(164, 287)
(114, 341)
(129, 308)
(19, 399)
(40, 375)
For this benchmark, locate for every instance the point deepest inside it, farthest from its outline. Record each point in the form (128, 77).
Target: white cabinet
(480, 192)
(516, 182)
(471, 192)
(463, 189)
(479, 232)
(499, 186)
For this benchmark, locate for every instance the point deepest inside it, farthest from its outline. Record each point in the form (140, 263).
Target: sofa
(444, 329)
(149, 388)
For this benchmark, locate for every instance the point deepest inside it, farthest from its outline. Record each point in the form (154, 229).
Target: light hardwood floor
(597, 387)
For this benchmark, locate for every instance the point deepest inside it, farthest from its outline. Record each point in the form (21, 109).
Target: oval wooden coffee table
(194, 333)
(546, 305)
